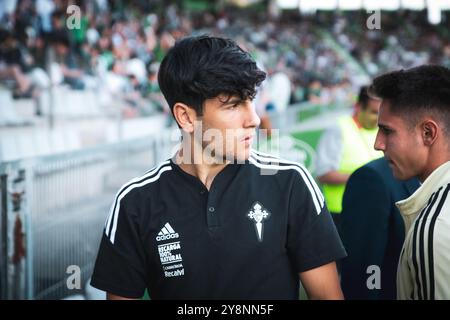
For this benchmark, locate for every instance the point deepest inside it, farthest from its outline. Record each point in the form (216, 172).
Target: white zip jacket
(424, 267)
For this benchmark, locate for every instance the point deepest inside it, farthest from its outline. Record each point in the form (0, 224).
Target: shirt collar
(223, 177)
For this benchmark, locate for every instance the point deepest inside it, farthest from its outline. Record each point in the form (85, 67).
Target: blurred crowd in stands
(119, 45)
(406, 39)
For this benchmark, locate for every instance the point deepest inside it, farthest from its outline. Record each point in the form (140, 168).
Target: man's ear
(185, 116)
(430, 130)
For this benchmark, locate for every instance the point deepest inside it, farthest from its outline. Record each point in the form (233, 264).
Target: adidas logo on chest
(167, 233)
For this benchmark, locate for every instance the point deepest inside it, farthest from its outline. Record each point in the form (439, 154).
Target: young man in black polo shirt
(218, 220)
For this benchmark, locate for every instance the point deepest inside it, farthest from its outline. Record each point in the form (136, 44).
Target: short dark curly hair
(416, 91)
(203, 67)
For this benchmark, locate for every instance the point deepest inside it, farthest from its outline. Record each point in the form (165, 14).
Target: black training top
(260, 224)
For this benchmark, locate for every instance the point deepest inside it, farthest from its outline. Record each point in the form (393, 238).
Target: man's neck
(206, 170)
(438, 156)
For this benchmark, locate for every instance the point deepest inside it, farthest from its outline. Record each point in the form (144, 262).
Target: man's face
(368, 116)
(228, 127)
(401, 144)
(61, 49)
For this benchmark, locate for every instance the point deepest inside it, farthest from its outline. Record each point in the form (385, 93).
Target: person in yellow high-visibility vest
(345, 147)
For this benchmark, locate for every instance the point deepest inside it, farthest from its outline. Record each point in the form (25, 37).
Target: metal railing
(53, 209)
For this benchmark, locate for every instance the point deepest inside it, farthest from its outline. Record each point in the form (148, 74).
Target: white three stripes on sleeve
(314, 190)
(144, 180)
(260, 156)
(423, 259)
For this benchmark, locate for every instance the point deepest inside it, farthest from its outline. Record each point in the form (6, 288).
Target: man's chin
(397, 175)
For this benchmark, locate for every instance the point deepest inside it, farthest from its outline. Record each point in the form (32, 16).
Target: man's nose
(379, 142)
(252, 118)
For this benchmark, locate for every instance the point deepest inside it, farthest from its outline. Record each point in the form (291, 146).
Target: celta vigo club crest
(258, 214)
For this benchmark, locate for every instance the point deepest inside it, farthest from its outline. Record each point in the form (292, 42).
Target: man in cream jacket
(414, 134)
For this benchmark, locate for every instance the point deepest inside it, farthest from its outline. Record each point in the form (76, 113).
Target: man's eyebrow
(231, 101)
(383, 126)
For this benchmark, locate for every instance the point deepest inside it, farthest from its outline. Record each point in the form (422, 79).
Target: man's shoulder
(289, 175)
(330, 138)
(266, 164)
(379, 166)
(139, 185)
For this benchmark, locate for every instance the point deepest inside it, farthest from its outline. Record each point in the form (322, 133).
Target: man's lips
(247, 139)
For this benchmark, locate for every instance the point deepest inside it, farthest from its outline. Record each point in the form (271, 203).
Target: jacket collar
(419, 199)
